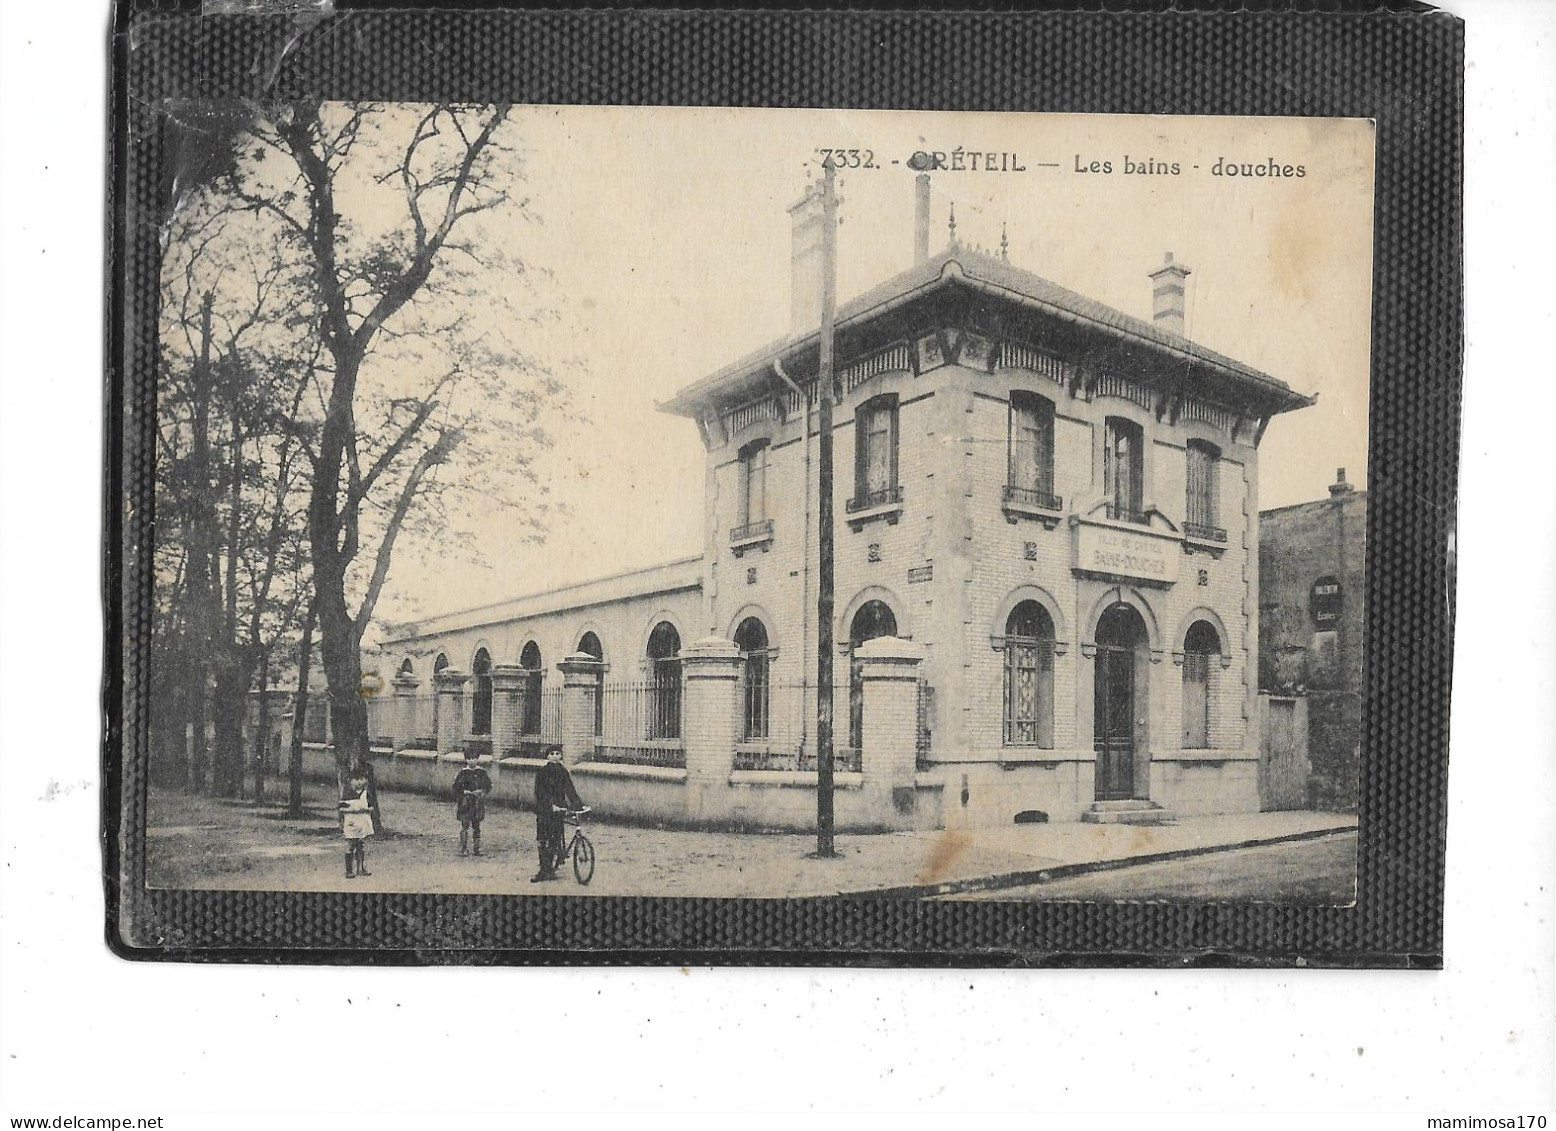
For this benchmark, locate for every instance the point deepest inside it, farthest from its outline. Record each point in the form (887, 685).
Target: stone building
(1046, 560)
(1312, 569)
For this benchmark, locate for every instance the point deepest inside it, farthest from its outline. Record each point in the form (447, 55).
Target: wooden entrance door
(1115, 723)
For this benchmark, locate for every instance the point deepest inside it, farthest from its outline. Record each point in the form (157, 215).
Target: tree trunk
(199, 520)
(262, 730)
(227, 711)
(294, 805)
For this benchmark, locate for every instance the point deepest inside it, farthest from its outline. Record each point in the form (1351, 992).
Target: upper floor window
(875, 453)
(753, 482)
(1201, 504)
(1123, 469)
(1031, 478)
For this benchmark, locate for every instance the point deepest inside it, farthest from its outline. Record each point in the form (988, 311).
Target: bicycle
(578, 846)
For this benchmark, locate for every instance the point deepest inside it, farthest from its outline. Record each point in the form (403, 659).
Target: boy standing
(471, 785)
(553, 792)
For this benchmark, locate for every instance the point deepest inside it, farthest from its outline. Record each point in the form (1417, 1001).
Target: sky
(665, 237)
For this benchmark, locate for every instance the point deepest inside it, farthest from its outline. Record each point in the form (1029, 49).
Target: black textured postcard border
(1403, 68)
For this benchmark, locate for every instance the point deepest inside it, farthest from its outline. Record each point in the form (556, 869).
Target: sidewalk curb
(1065, 871)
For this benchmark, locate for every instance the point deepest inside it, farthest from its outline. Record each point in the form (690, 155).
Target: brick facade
(953, 548)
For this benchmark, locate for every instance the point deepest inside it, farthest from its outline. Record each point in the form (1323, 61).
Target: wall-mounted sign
(1136, 555)
(1324, 603)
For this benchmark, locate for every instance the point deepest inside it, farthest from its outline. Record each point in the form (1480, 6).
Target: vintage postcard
(501, 548)
(694, 508)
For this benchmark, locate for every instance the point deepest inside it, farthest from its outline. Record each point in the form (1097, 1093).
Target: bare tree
(412, 403)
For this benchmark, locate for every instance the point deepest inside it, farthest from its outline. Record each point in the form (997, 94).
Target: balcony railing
(1124, 514)
(886, 497)
(1204, 533)
(761, 528)
(1032, 497)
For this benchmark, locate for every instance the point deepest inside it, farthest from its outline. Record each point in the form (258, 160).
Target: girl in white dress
(356, 825)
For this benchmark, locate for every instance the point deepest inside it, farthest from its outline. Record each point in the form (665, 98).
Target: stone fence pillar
(581, 676)
(508, 684)
(889, 671)
(451, 709)
(405, 688)
(709, 721)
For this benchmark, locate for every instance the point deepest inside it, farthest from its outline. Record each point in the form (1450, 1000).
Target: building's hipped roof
(965, 267)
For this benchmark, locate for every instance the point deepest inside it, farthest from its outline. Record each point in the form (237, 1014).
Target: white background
(83, 1033)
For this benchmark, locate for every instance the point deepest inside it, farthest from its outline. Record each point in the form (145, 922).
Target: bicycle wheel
(583, 859)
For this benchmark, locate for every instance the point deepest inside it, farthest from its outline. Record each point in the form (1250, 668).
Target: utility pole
(825, 847)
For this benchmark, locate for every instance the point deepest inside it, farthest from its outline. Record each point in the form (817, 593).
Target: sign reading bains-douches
(1137, 555)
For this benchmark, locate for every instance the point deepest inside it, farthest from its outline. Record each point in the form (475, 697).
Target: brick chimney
(1167, 295)
(1340, 486)
(805, 216)
(921, 219)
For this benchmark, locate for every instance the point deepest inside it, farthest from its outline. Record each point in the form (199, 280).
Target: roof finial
(1004, 243)
(953, 223)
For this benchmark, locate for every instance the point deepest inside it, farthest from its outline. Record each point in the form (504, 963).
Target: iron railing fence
(640, 724)
(540, 725)
(778, 731)
(924, 737)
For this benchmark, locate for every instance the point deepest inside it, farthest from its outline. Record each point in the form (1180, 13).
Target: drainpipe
(804, 544)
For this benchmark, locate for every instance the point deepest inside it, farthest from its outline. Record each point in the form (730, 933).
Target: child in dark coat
(471, 785)
(553, 792)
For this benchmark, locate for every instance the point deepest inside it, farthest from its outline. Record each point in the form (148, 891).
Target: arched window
(1201, 511)
(589, 644)
(1029, 677)
(755, 680)
(1032, 450)
(1201, 643)
(1123, 469)
(481, 700)
(406, 667)
(664, 682)
(873, 620)
(529, 660)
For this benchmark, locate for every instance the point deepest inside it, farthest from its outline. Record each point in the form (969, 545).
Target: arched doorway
(873, 620)
(1119, 702)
